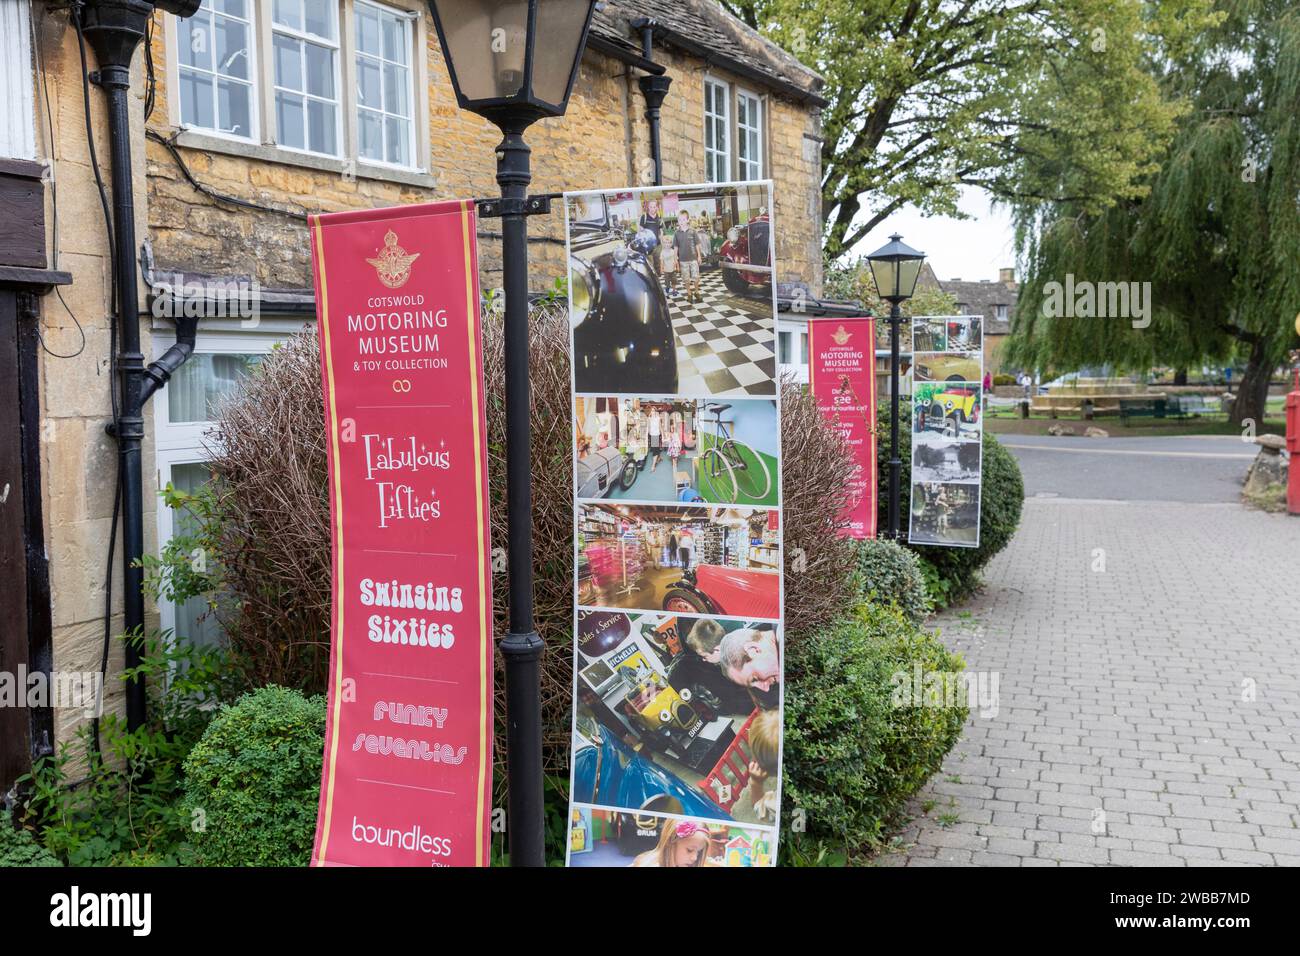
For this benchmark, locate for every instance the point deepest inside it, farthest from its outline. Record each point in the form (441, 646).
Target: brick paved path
(1122, 736)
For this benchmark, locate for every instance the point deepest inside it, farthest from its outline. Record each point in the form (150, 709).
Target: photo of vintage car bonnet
(672, 290)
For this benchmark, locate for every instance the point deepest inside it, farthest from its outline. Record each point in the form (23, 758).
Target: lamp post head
(896, 266)
(512, 61)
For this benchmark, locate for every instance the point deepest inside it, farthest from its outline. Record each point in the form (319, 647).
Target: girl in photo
(681, 843)
(675, 440)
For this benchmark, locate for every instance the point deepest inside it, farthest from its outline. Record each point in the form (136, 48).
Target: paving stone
(1121, 692)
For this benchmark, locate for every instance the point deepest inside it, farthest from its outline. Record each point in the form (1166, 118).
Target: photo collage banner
(678, 644)
(947, 430)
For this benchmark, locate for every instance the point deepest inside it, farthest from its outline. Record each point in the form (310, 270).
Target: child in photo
(654, 425)
(686, 243)
(681, 843)
(757, 803)
(675, 439)
(668, 268)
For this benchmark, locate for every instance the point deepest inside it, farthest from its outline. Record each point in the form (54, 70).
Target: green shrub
(19, 848)
(252, 782)
(852, 758)
(95, 808)
(1004, 379)
(887, 573)
(952, 573)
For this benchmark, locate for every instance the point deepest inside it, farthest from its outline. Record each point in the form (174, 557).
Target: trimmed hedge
(888, 573)
(853, 758)
(952, 573)
(252, 783)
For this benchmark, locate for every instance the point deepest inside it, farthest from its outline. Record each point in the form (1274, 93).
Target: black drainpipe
(654, 87)
(114, 28)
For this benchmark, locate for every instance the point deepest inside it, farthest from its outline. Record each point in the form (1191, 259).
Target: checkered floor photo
(723, 350)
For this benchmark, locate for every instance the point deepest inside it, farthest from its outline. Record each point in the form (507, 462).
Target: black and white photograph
(939, 459)
(945, 512)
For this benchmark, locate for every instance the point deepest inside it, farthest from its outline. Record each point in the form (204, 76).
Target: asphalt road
(1194, 468)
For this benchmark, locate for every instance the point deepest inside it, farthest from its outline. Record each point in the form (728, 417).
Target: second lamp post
(895, 266)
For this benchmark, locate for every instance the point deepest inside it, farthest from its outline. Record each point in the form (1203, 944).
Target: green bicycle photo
(728, 470)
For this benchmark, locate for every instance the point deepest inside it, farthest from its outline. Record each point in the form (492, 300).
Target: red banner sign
(842, 375)
(408, 739)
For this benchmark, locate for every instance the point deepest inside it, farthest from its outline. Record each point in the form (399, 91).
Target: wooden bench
(1193, 406)
(1141, 408)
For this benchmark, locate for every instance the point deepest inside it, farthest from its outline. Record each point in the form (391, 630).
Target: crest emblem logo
(393, 264)
(841, 336)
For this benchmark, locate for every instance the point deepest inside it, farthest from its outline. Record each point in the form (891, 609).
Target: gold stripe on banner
(338, 551)
(485, 705)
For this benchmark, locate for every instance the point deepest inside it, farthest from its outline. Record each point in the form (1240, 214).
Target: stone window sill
(196, 139)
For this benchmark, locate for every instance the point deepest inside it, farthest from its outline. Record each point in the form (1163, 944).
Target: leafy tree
(1029, 99)
(1216, 232)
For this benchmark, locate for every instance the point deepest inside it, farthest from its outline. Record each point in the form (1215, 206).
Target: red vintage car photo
(746, 257)
(738, 592)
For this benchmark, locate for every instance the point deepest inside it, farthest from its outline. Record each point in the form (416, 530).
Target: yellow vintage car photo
(941, 367)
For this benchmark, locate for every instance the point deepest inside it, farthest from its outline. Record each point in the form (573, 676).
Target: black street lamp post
(514, 62)
(895, 267)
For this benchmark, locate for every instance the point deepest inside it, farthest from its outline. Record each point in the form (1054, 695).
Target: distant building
(996, 302)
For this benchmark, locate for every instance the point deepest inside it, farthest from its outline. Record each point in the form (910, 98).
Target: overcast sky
(970, 249)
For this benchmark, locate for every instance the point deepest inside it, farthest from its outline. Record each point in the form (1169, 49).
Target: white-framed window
(183, 447)
(214, 54)
(749, 135)
(734, 132)
(1002, 312)
(792, 347)
(305, 41)
(717, 131)
(334, 84)
(384, 84)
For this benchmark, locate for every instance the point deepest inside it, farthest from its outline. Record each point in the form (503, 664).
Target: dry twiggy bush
(552, 471)
(816, 469)
(274, 534)
(276, 542)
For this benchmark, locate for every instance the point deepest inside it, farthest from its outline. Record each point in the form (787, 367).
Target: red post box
(1293, 448)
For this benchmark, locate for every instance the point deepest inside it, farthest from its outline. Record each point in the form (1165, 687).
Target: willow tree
(1216, 233)
(1028, 99)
